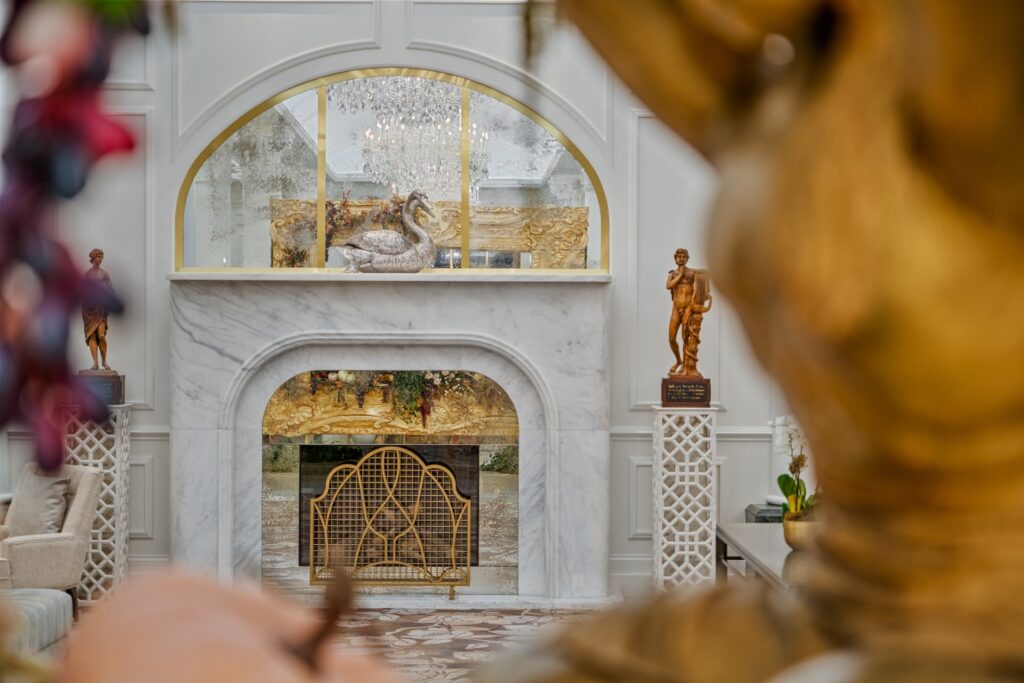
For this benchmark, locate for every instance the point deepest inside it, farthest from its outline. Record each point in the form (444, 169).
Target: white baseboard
(630, 575)
(140, 565)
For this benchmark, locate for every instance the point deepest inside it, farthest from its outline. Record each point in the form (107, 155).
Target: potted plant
(798, 507)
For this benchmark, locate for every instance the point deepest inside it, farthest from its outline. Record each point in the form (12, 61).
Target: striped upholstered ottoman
(42, 620)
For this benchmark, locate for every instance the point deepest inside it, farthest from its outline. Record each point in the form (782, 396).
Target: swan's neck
(409, 219)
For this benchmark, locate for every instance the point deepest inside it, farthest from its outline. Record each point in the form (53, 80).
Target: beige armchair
(54, 560)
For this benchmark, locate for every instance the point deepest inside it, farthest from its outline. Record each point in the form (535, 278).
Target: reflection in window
(254, 201)
(533, 197)
(500, 259)
(236, 197)
(448, 258)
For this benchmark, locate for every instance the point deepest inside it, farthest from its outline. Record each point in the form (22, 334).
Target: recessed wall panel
(222, 45)
(494, 30)
(111, 214)
(673, 197)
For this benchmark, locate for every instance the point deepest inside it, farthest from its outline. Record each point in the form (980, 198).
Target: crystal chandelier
(415, 141)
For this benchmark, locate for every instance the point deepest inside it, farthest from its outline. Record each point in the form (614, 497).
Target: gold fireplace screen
(391, 520)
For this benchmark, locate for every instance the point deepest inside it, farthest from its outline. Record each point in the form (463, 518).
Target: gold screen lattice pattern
(391, 520)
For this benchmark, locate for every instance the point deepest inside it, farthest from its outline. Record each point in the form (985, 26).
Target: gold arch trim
(391, 520)
(321, 85)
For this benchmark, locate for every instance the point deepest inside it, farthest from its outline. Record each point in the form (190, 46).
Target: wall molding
(143, 529)
(374, 42)
(140, 565)
(510, 69)
(151, 433)
(148, 82)
(635, 405)
(725, 434)
(138, 433)
(635, 566)
(147, 112)
(631, 576)
(636, 529)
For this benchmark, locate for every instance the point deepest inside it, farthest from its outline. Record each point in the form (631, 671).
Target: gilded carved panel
(292, 233)
(554, 236)
(420, 403)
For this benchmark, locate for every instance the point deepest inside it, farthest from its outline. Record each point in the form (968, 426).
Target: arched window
(290, 181)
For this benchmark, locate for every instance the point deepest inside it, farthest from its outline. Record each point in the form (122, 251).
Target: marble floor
(444, 645)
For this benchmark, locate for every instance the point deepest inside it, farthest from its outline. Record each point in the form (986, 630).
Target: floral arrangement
(389, 213)
(788, 441)
(340, 219)
(415, 391)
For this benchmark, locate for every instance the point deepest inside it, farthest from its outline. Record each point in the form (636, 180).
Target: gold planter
(797, 531)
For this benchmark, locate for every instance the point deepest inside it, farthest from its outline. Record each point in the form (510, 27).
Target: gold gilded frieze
(426, 403)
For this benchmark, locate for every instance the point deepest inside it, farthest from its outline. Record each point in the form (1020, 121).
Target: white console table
(685, 496)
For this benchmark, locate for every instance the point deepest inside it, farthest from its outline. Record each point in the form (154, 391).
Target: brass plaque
(686, 393)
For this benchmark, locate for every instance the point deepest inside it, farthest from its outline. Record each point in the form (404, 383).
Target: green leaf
(787, 485)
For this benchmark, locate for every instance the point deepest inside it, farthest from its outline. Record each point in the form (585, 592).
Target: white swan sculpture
(386, 251)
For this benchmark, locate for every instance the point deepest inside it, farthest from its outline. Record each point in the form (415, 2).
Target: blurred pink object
(176, 627)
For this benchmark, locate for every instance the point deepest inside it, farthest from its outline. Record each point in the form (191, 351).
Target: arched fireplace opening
(407, 478)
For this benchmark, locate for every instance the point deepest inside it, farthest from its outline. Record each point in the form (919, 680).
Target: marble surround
(545, 341)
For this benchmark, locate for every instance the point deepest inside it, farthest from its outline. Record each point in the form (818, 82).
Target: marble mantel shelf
(337, 276)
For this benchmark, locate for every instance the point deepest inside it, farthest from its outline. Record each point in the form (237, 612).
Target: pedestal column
(685, 496)
(106, 447)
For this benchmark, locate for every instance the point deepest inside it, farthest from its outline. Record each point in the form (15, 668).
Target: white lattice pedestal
(106, 447)
(685, 496)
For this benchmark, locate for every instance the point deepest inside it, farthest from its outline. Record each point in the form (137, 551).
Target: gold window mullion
(465, 176)
(321, 177)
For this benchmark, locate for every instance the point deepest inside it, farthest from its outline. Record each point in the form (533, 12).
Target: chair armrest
(45, 560)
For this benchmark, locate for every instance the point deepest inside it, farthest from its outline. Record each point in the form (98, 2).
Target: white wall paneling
(133, 67)
(114, 213)
(670, 196)
(179, 91)
(141, 512)
(491, 33)
(228, 48)
(639, 507)
(149, 475)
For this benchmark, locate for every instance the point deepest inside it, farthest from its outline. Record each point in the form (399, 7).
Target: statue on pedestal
(105, 383)
(95, 319)
(691, 299)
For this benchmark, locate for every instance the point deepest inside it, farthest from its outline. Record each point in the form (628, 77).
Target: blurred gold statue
(870, 155)
(95, 319)
(691, 299)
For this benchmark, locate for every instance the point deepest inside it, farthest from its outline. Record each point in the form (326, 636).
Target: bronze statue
(95, 319)
(861, 187)
(691, 299)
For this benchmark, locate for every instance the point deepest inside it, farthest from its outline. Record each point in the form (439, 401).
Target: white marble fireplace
(235, 339)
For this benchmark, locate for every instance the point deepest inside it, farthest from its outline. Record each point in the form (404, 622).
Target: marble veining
(235, 341)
